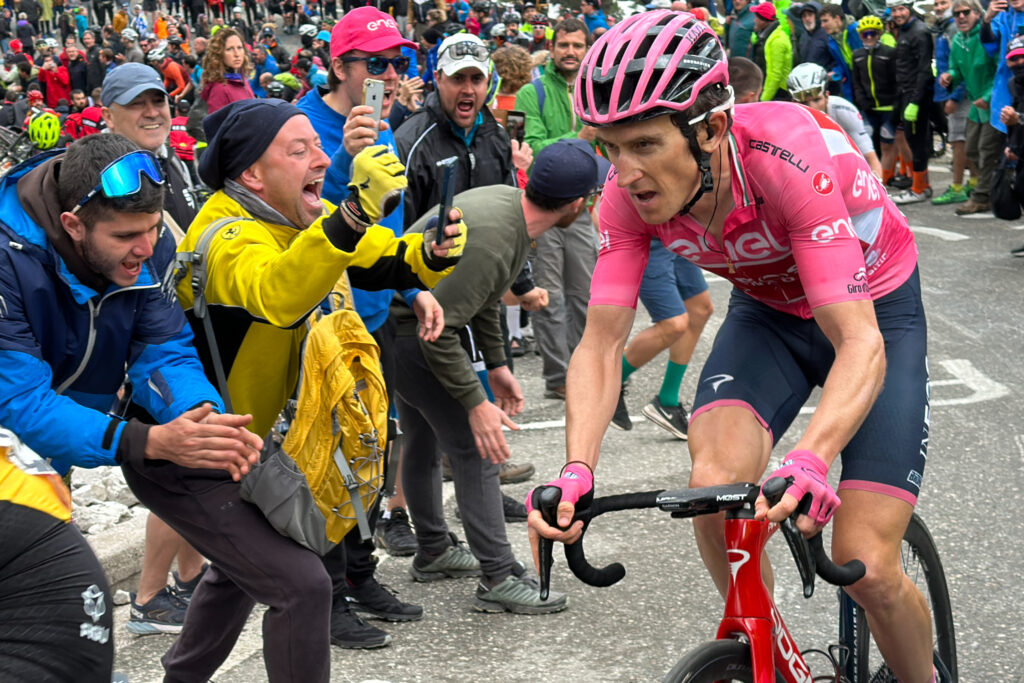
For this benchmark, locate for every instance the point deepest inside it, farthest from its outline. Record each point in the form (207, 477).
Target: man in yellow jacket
(276, 257)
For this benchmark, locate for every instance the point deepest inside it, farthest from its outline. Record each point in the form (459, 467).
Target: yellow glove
(378, 178)
(439, 263)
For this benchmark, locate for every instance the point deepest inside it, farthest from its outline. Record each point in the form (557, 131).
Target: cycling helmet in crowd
(870, 23)
(498, 31)
(44, 130)
(157, 54)
(130, 34)
(52, 43)
(647, 65)
(807, 81)
(307, 30)
(512, 17)
(897, 3)
(481, 6)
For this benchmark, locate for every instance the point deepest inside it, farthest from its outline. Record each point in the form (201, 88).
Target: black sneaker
(901, 182)
(350, 632)
(395, 535)
(184, 589)
(670, 418)
(515, 511)
(378, 600)
(621, 419)
(165, 613)
(1018, 252)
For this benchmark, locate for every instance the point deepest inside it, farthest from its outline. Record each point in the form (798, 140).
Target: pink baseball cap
(366, 29)
(765, 10)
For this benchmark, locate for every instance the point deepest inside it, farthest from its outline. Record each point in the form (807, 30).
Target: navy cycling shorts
(669, 280)
(769, 362)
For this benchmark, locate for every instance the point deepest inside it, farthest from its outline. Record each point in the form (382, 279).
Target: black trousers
(56, 612)
(250, 563)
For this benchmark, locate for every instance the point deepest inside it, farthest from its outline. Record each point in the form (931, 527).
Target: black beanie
(237, 136)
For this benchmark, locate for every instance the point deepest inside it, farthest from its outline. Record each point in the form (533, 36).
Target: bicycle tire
(922, 564)
(716, 660)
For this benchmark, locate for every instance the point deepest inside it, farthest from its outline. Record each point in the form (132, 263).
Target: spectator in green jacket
(971, 65)
(741, 27)
(771, 50)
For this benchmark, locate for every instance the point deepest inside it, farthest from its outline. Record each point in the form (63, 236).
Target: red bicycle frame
(750, 612)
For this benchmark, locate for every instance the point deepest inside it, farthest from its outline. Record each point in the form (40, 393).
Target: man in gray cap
(135, 106)
(442, 403)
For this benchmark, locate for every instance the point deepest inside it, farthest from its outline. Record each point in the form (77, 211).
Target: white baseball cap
(463, 51)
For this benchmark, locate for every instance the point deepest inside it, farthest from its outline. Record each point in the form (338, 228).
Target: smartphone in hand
(373, 96)
(448, 171)
(516, 125)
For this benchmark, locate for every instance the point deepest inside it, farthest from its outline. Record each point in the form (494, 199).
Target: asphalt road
(636, 630)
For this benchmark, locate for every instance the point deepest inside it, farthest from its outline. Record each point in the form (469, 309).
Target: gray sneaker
(519, 595)
(455, 562)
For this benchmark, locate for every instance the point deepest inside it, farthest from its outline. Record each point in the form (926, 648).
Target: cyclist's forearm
(593, 382)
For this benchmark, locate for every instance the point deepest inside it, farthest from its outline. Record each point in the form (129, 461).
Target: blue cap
(324, 36)
(126, 82)
(568, 169)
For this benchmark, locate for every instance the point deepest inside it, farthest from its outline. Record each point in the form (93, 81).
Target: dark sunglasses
(961, 12)
(123, 177)
(378, 65)
(869, 34)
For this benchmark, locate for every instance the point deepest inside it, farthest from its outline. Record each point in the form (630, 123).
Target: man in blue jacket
(81, 300)
(1002, 22)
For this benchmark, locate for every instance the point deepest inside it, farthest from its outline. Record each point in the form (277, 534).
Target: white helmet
(130, 34)
(806, 81)
(307, 30)
(897, 3)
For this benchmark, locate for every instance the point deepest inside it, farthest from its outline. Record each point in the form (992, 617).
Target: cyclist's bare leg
(727, 445)
(869, 526)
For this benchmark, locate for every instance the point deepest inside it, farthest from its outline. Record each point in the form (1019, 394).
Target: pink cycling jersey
(811, 224)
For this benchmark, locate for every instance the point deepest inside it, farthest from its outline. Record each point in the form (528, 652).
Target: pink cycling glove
(576, 481)
(810, 476)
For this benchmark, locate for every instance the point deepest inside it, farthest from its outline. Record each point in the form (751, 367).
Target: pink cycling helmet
(648, 64)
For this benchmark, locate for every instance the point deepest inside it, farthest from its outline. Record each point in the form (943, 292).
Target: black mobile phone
(448, 169)
(516, 125)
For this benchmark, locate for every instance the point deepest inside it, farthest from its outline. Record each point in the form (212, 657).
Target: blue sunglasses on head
(123, 176)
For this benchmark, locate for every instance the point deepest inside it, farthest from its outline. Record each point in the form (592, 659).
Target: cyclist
(808, 84)
(775, 198)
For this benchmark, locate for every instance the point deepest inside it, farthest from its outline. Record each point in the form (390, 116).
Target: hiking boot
(511, 473)
(184, 589)
(971, 207)
(165, 613)
(621, 419)
(670, 418)
(350, 632)
(519, 595)
(911, 197)
(951, 196)
(378, 600)
(455, 562)
(394, 535)
(557, 393)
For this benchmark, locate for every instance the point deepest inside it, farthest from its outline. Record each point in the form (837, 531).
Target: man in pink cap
(366, 43)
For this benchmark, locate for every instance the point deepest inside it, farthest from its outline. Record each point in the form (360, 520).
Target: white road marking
(947, 235)
(964, 374)
(978, 216)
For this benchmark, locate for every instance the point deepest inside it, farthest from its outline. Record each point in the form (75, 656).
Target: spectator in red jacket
(54, 78)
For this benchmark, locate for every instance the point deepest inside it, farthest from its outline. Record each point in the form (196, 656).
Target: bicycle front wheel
(921, 563)
(718, 660)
